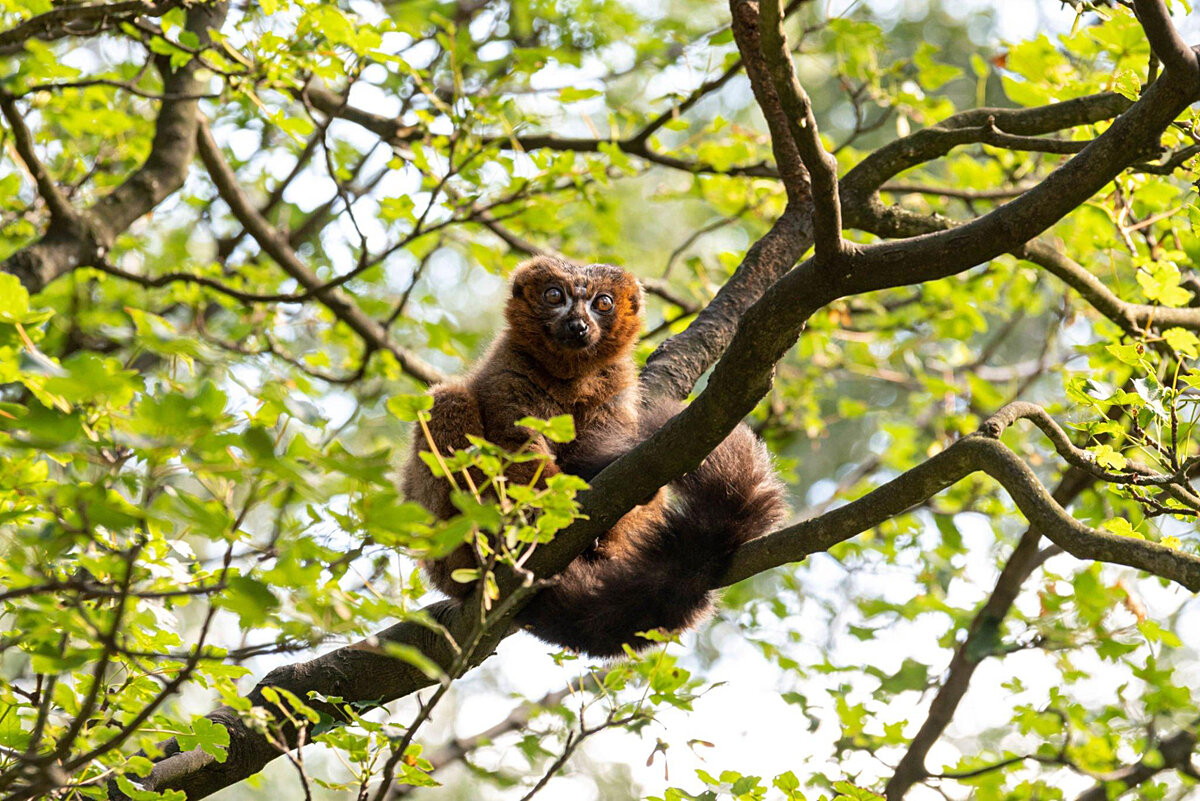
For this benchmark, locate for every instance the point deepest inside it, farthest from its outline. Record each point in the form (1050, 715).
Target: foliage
(201, 419)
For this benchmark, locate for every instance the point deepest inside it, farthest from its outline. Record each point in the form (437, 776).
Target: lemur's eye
(603, 303)
(553, 296)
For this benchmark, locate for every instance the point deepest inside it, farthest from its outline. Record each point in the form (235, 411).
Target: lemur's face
(590, 311)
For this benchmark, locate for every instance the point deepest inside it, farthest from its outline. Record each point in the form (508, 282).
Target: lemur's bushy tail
(661, 575)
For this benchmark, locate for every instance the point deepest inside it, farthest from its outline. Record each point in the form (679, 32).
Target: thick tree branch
(947, 252)
(791, 170)
(1134, 319)
(1134, 473)
(360, 672)
(90, 235)
(674, 367)
(972, 454)
(980, 452)
(79, 20)
(1176, 56)
(981, 637)
(802, 127)
(971, 127)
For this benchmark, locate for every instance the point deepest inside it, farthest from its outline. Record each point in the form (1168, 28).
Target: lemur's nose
(577, 327)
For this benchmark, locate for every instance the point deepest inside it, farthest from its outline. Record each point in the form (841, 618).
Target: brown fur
(655, 567)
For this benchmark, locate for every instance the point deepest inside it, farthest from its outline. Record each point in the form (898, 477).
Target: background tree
(947, 277)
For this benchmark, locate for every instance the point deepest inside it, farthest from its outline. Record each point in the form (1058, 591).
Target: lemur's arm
(459, 411)
(454, 415)
(605, 434)
(509, 401)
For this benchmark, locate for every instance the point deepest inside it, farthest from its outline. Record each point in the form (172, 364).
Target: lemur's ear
(530, 270)
(637, 297)
(520, 277)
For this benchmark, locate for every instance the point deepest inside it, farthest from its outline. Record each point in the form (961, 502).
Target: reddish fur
(655, 567)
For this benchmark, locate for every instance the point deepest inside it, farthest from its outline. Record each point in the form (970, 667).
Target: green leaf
(14, 734)
(137, 793)
(250, 598)
(14, 303)
(414, 657)
(1122, 528)
(931, 74)
(572, 94)
(789, 784)
(1182, 341)
(556, 429)
(1160, 282)
(211, 738)
(912, 675)
(408, 407)
(849, 792)
(465, 575)
(1127, 83)
(1106, 456)
(1129, 354)
(94, 378)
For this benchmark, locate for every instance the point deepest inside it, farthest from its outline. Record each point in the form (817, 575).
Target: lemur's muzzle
(577, 328)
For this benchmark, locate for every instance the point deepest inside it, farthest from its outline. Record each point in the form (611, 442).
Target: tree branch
(395, 133)
(944, 253)
(902, 188)
(67, 21)
(971, 127)
(1175, 753)
(980, 452)
(1133, 318)
(1176, 56)
(392, 131)
(458, 748)
(360, 672)
(802, 127)
(674, 367)
(61, 210)
(90, 235)
(972, 651)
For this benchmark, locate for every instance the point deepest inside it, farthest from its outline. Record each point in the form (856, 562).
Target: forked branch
(980, 452)
(1176, 56)
(802, 126)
